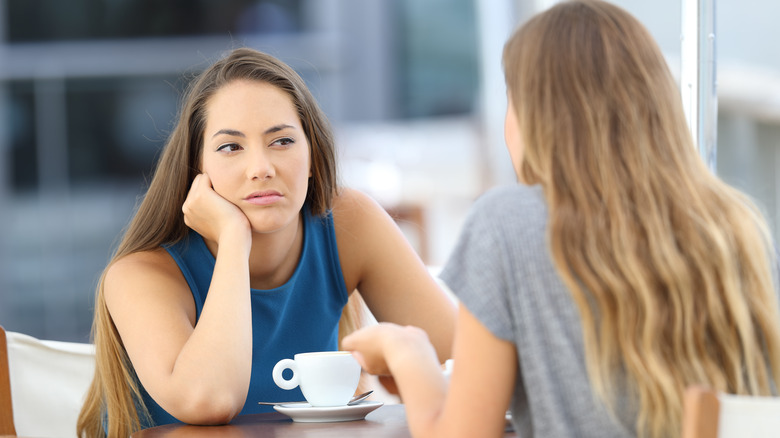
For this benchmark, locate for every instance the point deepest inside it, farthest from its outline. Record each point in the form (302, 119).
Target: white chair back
(744, 416)
(710, 414)
(49, 380)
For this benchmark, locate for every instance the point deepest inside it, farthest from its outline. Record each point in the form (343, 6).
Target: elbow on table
(210, 408)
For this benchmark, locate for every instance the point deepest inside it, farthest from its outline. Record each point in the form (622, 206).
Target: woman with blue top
(244, 251)
(619, 272)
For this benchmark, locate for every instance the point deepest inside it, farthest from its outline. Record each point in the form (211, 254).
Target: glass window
(115, 128)
(438, 57)
(23, 156)
(52, 20)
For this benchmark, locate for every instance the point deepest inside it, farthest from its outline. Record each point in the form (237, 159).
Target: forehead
(246, 101)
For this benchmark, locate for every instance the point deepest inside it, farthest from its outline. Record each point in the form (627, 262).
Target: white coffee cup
(326, 378)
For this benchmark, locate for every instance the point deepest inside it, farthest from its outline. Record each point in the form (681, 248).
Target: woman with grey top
(620, 270)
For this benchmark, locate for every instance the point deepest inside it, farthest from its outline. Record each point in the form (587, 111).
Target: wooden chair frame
(6, 406)
(701, 413)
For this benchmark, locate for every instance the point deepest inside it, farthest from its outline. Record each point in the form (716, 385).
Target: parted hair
(114, 393)
(670, 268)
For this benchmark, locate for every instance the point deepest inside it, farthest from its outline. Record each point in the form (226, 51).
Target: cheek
(508, 135)
(510, 128)
(514, 146)
(308, 170)
(218, 178)
(511, 139)
(517, 160)
(218, 185)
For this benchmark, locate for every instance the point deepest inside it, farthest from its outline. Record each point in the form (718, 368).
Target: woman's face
(514, 142)
(256, 152)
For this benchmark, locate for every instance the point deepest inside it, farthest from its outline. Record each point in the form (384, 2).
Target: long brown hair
(670, 268)
(114, 393)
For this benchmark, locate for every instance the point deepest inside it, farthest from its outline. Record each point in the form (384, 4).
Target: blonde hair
(670, 268)
(114, 393)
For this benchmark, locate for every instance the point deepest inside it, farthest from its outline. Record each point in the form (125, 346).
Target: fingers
(360, 359)
(199, 183)
(388, 382)
(204, 180)
(368, 347)
(360, 342)
(204, 209)
(200, 179)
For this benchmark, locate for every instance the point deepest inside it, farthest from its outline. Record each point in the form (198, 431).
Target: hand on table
(378, 347)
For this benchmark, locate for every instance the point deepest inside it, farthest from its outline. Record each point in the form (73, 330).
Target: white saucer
(305, 413)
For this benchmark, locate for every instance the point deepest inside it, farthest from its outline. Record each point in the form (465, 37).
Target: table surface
(385, 422)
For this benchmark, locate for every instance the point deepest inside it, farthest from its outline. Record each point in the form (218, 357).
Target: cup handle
(279, 369)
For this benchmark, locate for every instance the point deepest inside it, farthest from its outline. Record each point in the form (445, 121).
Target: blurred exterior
(414, 90)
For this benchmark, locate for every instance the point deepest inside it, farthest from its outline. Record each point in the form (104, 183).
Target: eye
(229, 147)
(284, 142)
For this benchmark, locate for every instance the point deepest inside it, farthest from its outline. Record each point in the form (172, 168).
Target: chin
(265, 228)
(268, 226)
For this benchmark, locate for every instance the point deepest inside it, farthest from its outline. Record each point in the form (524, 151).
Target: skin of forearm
(215, 364)
(414, 364)
(442, 335)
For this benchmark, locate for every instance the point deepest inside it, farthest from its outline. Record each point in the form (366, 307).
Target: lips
(264, 197)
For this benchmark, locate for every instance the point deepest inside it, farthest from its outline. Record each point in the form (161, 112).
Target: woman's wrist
(235, 237)
(411, 344)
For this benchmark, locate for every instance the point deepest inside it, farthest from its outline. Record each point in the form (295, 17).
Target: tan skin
(246, 204)
(483, 377)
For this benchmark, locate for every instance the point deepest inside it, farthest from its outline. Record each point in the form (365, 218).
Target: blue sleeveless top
(299, 316)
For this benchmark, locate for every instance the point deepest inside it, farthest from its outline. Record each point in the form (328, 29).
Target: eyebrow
(277, 128)
(231, 132)
(236, 133)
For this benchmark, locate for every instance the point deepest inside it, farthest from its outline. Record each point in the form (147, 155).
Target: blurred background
(413, 88)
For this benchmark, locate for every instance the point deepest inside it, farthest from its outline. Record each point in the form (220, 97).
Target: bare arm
(378, 261)
(480, 387)
(199, 374)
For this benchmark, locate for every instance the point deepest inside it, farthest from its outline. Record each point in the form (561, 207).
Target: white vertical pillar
(496, 19)
(544, 4)
(698, 84)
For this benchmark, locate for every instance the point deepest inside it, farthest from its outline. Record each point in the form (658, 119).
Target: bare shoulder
(358, 217)
(352, 208)
(145, 264)
(366, 236)
(145, 276)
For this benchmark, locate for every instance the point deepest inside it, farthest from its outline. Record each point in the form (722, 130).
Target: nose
(260, 165)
